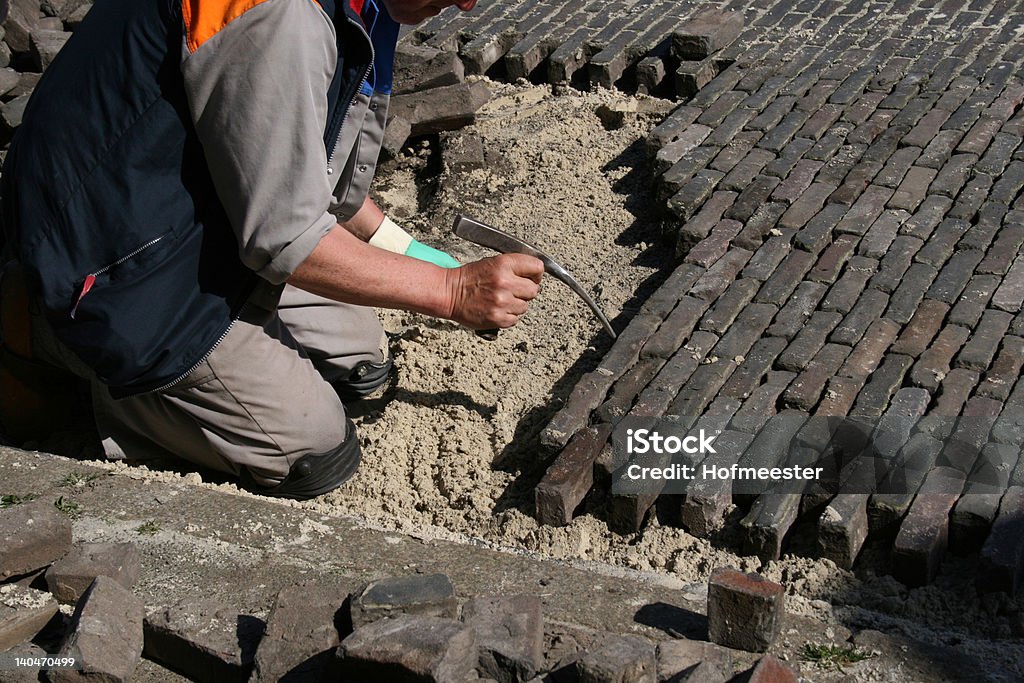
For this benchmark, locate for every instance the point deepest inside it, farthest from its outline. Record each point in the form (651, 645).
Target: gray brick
(942, 243)
(895, 170)
(807, 206)
(938, 151)
(729, 305)
(797, 182)
(761, 404)
(881, 234)
(820, 121)
(808, 341)
(715, 113)
(806, 389)
(1005, 370)
(683, 171)
(1003, 550)
(922, 539)
(675, 330)
(895, 263)
(845, 293)
(953, 175)
(672, 127)
(998, 156)
(817, 234)
(856, 180)
(707, 218)
(927, 217)
(654, 400)
(693, 194)
(797, 310)
(720, 276)
(1010, 294)
(971, 433)
(953, 392)
(693, 75)
(913, 189)
(843, 528)
(569, 478)
(687, 139)
(978, 352)
(706, 33)
(832, 260)
(984, 227)
(927, 128)
(865, 211)
(756, 364)
(778, 288)
(971, 198)
(882, 385)
(788, 158)
(767, 258)
(954, 276)
(1006, 247)
(869, 308)
(973, 301)
(743, 173)
(753, 196)
(908, 295)
(977, 139)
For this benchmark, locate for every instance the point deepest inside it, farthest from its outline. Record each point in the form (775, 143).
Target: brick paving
(845, 199)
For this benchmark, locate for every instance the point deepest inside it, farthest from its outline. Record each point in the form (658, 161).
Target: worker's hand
(493, 292)
(391, 237)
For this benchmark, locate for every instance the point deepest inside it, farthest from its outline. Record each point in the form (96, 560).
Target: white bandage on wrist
(391, 237)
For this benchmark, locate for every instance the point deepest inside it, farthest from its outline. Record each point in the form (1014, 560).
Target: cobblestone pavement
(845, 198)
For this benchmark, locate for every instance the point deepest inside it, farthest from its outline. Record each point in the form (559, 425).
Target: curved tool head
(492, 238)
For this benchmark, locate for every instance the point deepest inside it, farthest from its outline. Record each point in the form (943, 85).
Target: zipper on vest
(348, 108)
(182, 376)
(90, 279)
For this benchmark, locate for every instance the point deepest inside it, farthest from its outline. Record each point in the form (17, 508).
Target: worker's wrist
(392, 238)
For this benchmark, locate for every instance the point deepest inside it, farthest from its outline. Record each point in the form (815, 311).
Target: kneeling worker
(170, 235)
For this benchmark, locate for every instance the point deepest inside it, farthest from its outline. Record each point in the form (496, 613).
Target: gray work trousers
(260, 401)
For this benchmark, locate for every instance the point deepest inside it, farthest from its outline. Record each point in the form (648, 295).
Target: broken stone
(12, 112)
(203, 640)
(70, 576)
(510, 634)
(32, 535)
(21, 20)
(301, 634)
(439, 109)
(619, 659)
(462, 152)
(744, 610)
(23, 613)
(419, 67)
(770, 670)
(693, 660)
(45, 44)
(105, 635)
(26, 84)
(427, 595)
(614, 115)
(706, 33)
(410, 648)
(396, 134)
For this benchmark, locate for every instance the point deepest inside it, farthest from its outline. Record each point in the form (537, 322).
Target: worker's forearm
(344, 268)
(365, 221)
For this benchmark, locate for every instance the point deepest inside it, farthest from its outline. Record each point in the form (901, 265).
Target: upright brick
(745, 611)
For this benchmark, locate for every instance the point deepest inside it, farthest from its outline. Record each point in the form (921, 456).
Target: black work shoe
(315, 474)
(364, 379)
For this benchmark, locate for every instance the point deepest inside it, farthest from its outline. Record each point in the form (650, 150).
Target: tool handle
(489, 335)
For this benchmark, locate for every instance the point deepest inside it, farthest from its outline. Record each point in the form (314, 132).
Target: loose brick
(765, 526)
(770, 670)
(845, 293)
(1009, 297)
(509, 633)
(843, 528)
(705, 33)
(49, 540)
(203, 640)
(923, 536)
(693, 659)
(808, 342)
(682, 172)
(105, 635)
(448, 107)
(24, 612)
(745, 611)
(420, 67)
(896, 493)
(424, 595)
(1005, 370)
(410, 648)
(570, 477)
(977, 353)
(797, 310)
(618, 658)
(867, 310)
(778, 288)
(625, 389)
(692, 75)
(671, 128)
(908, 295)
(927, 217)
(69, 577)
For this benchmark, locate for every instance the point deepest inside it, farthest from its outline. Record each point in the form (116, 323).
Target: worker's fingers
(526, 266)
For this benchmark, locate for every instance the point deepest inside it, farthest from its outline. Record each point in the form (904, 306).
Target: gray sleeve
(257, 92)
